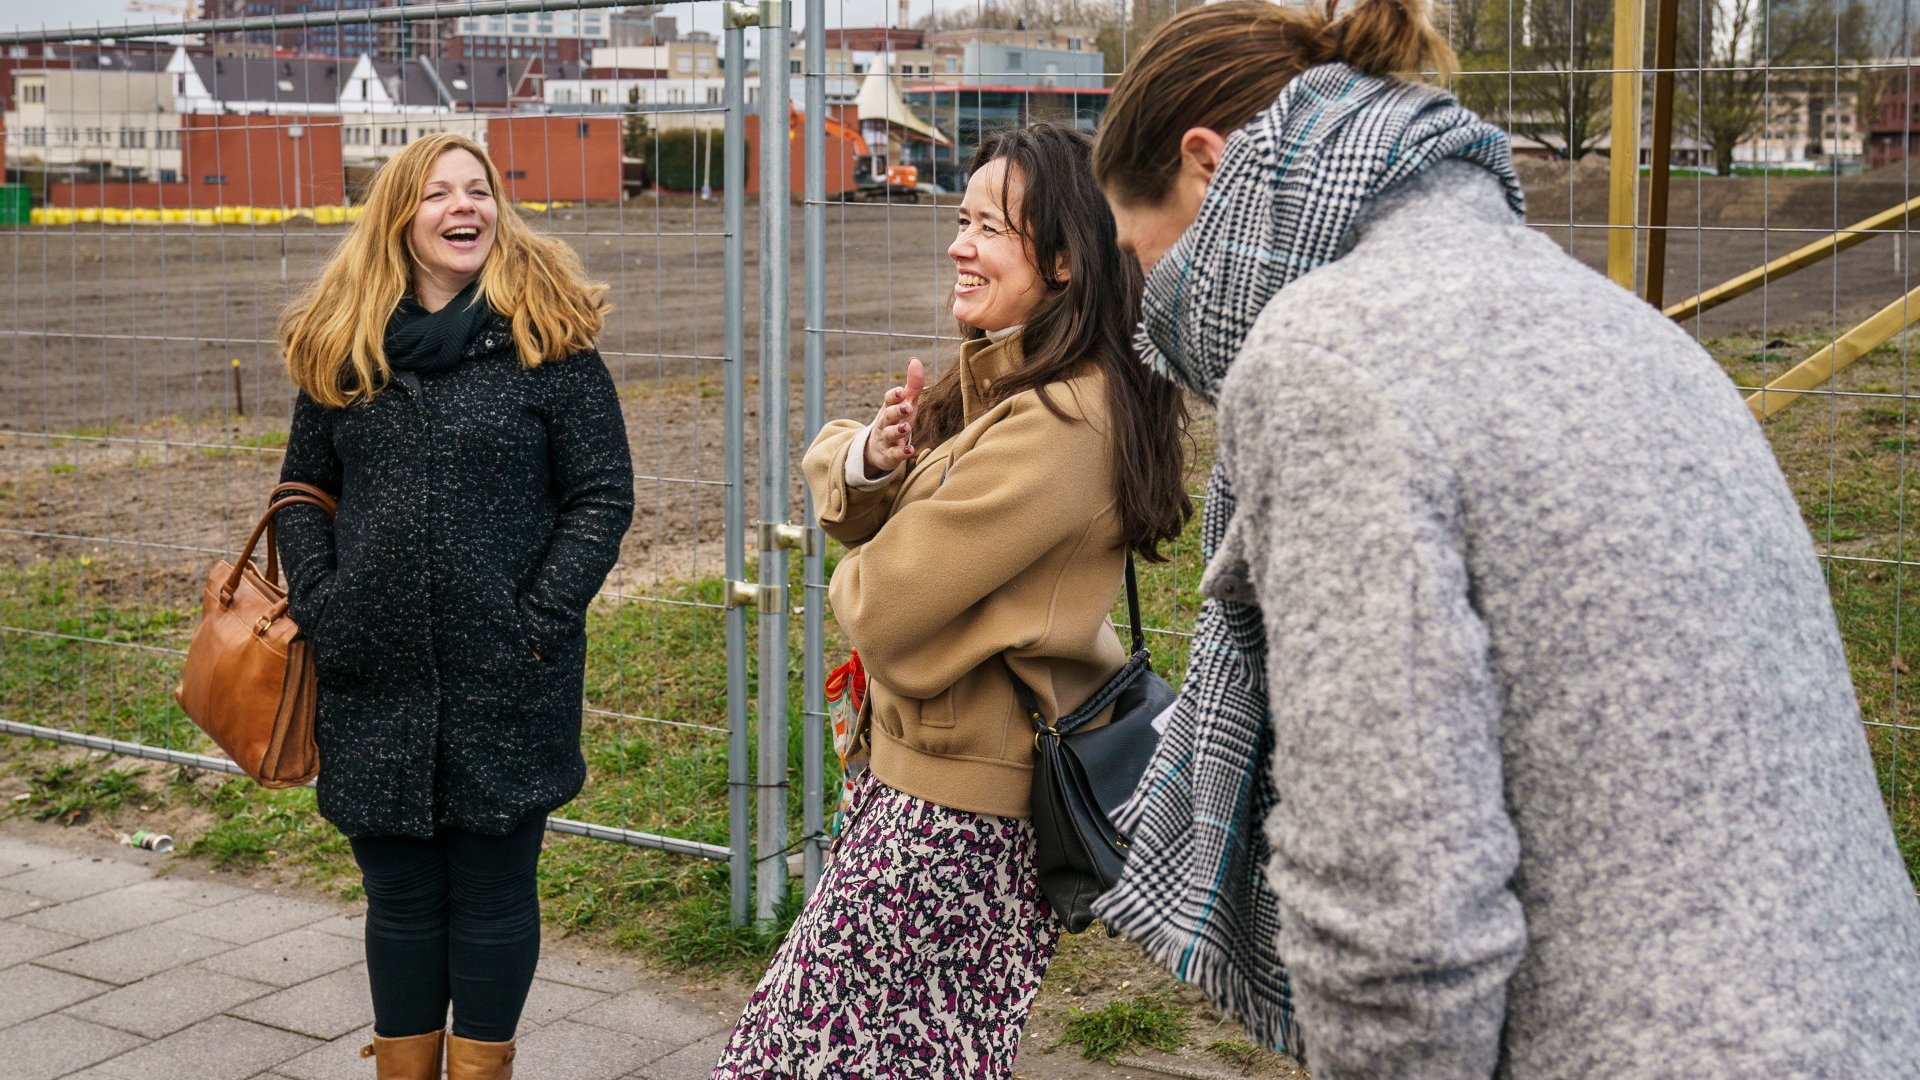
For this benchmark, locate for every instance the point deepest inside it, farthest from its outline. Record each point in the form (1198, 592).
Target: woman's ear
(1200, 152)
(1062, 269)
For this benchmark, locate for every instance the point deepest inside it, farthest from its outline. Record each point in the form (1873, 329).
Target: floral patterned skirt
(918, 956)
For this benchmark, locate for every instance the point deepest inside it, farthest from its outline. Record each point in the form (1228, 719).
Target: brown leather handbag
(249, 680)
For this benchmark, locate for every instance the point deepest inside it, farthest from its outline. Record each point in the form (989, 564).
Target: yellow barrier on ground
(219, 215)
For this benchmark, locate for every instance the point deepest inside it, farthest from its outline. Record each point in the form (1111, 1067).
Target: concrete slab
(27, 991)
(19, 856)
(694, 1061)
(218, 1048)
(654, 1015)
(288, 959)
(164, 1003)
(108, 913)
(131, 956)
(349, 925)
(569, 1051)
(13, 903)
(197, 892)
(550, 1001)
(339, 1059)
(19, 944)
(55, 1045)
(252, 917)
(74, 878)
(323, 1008)
(574, 971)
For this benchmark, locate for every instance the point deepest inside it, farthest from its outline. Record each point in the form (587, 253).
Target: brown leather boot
(471, 1059)
(412, 1057)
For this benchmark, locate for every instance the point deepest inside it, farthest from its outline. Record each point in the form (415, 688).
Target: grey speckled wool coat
(480, 510)
(1573, 784)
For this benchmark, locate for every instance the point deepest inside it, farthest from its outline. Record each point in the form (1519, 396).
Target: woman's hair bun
(1389, 37)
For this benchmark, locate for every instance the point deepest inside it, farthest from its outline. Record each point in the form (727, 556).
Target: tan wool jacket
(1003, 539)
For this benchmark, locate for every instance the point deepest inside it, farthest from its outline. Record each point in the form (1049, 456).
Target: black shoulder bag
(1080, 778)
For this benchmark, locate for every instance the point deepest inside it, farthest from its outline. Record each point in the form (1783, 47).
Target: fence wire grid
(177, 184)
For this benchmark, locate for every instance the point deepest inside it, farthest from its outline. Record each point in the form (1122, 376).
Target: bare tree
(1539, 66)
(1752, 61)
(1892, 45)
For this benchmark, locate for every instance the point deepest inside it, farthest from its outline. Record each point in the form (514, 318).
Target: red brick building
(549, 158)
(1894, 133)
(843, 148)
(252, 160)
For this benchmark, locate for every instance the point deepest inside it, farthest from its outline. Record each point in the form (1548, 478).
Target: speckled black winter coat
(480, 510)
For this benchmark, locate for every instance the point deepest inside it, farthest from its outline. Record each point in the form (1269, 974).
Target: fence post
(734, 198)
(813, 648)
(1623, 166)
(776, 534)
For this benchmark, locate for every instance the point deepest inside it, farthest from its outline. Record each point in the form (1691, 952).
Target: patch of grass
(272, 439)
(701, 934)
(62, 468)
(254, 826)
(1238, 1052)
(70, 793)
(1846, 461)
(1103, 1034)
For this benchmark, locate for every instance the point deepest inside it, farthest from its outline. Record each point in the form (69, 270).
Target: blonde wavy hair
(333, 336)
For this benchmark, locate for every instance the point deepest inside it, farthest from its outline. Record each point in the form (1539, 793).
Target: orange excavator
(899, 183)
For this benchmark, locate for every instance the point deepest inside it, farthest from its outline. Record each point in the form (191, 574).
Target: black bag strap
(1136, 664)
(1133, 608)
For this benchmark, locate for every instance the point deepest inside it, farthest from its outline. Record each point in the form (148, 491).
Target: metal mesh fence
(181, 193)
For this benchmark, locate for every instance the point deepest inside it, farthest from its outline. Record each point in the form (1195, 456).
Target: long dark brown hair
(1085, 320)
(1217, 66)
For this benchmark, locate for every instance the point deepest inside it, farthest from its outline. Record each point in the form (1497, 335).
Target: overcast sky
(33, 14)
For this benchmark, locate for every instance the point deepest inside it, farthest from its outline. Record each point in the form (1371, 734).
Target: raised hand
(890, 437)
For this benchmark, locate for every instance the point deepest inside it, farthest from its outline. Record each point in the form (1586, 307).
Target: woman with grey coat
(1518, 739)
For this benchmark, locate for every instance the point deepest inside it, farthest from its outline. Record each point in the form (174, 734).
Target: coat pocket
(334, 651)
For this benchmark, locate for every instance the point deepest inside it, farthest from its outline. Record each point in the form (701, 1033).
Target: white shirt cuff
(857, 478)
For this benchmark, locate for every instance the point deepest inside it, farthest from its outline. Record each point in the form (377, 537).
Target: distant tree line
(1543, 68)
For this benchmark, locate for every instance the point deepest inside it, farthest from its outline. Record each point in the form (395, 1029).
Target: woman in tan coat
(989, 517)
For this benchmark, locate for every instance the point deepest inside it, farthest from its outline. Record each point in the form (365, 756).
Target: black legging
(455, 918)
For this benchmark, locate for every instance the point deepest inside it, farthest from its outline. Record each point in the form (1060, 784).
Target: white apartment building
(117, 124)
(545, 24)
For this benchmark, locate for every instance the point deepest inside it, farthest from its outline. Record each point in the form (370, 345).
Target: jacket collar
(982, 361)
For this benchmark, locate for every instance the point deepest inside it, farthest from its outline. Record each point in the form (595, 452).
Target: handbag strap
(283, 496)
(1123, 678)
(1133, 608)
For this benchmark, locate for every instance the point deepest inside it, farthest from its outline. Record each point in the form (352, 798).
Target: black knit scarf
(422, 340)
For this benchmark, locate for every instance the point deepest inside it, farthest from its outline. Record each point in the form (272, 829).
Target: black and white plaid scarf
(1194, 894)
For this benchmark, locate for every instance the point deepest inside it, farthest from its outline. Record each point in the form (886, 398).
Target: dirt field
(119, 325)
(117, 374)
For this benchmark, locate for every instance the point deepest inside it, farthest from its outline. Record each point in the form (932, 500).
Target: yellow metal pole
(1820, 367)
(1799, 259)
(1623, 174)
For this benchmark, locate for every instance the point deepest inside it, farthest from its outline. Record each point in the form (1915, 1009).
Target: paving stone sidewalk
(111, 972)
(121, 964)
